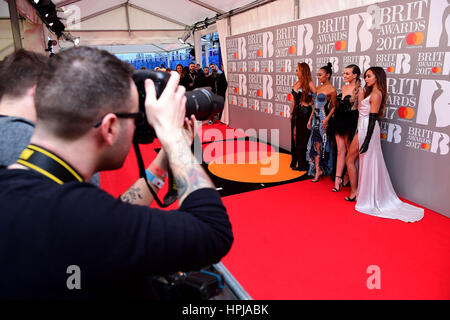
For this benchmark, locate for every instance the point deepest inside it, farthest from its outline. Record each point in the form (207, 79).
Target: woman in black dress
(346, 119)
(300, 113)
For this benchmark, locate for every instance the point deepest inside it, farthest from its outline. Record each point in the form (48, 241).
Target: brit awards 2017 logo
(283, 87)
(236, 49)
(253, 66)
(242, 66)
(434, 103)
(390, 132)
(267, 66)
(283, 65)
(394, 63)
(283, 96)
(260, 45)
(401, 26)
(242, 102)
(253, 104)
(428, 140)
(286, 42)
(232, 66)
(433, 63)
(260, 86)
(439, 24)
(332, 35)
(401, 100)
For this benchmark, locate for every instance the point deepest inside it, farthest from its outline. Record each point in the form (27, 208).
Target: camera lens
(200, 102)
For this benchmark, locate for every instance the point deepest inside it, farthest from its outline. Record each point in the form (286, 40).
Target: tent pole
(15, 24)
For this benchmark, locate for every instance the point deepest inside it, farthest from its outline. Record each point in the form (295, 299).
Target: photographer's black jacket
(45, 228)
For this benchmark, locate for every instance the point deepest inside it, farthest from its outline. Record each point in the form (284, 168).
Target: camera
(201, 102)
(204, 284)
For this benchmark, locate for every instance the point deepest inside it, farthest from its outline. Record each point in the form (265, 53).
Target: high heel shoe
(318, 178)
(340, 185)
(350, 199)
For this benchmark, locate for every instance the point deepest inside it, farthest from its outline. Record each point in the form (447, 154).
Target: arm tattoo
(131, 195)
(189, 175)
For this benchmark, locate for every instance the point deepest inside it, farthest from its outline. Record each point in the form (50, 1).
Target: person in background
(192, 79)
(219, 84)
(179, 69)
(207, 80)
(17, 107)
(199, 70)
(19, 74)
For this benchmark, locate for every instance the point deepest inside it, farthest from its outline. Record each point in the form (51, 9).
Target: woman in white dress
(375, 194)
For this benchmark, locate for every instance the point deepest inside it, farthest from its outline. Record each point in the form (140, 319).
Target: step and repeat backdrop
(409, 39)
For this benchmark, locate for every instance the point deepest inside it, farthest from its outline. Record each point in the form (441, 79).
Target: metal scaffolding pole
(14, 17)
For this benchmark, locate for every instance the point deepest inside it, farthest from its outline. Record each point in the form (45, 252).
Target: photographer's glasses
(138, 117)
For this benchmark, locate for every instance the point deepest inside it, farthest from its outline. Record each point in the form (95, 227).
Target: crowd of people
(332, 132)
(193, 76)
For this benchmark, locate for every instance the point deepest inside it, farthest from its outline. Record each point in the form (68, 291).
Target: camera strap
(48, 164)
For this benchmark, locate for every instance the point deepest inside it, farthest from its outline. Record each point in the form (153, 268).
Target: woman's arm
(333, 100)
(312, 87)
(375, 101)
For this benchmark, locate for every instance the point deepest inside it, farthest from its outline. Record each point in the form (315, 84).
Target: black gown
(300, 117)
(345, 118)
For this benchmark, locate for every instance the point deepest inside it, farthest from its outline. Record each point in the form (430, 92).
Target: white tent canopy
(124, 26)
(155, 24)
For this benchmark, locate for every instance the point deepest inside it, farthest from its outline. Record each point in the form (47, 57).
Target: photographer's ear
(109, 129)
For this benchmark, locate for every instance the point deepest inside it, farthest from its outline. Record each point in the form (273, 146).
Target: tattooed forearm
(132, 195)
(188, 174)
(191, 179)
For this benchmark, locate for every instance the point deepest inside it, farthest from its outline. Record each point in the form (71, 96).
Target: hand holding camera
(166, 114)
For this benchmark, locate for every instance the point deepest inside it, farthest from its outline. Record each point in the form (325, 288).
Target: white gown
(376, 196)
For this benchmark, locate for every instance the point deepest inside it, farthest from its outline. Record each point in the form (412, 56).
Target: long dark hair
(380, 75)
(305, 81)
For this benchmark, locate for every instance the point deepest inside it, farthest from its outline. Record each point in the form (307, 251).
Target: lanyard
(48, 164)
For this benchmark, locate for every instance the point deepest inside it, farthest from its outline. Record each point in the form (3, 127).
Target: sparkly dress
(376, 196)
(320, 111)
(300, 117)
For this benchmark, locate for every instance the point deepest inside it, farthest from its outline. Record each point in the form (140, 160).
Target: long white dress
(376, 196)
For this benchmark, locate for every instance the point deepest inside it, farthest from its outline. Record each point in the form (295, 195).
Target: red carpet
(302, 241)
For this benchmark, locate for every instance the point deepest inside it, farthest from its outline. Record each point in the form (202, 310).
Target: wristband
(154, 179)
(157, 170)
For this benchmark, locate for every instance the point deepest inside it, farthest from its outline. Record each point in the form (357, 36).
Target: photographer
(87, 105)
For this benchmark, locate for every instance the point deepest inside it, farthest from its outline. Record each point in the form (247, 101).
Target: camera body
(204, 284)
(200, 102)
